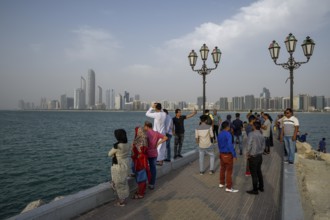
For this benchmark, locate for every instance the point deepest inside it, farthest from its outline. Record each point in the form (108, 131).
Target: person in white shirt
(290, 127)
(203, 135)
(159, 117)
(266, 126)
(169, 133)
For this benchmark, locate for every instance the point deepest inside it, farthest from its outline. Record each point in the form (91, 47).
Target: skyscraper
(78, 99)
(119, 102)
(200, 103)
(90, 89)
(249, 102)
(63, 102)
(108, 98)
(126, 97)
(112, 99)
(83, 92)
(224, 104)
(100, 94)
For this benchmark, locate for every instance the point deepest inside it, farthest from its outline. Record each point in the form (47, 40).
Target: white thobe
(159, 125)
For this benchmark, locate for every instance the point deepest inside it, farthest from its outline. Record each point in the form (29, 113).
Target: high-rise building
(108, 99)
(118, 102)
(99, 101)
(70, 102)
(91, 89)
(224, 104)
(63, 102)
(249, 102)
(265, 94)
(286, 103)
(320, 103)
(126, 96)
(238, 103)
(112, 99)
(83, 92)
(327, 102)
(137, 97)
(200, 103)
(78, 99)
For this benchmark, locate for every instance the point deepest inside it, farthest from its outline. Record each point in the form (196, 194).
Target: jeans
(168, 146)
(255, 169)
(290, 147)
(226, 169)
(153, 170)
(178, 140)
(267, 145)
(239, 139)
(209, 151)
(215, 132)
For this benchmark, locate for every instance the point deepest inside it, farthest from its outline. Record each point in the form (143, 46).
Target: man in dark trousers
(255, 149)
(178, 130)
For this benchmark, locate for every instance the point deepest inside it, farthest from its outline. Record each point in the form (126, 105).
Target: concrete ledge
(86, 200)
(291, 201)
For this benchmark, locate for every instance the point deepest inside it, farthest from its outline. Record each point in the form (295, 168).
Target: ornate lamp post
(204, 51)
(291, 64)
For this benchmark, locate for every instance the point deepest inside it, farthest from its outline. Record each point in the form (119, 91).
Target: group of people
(151, 147)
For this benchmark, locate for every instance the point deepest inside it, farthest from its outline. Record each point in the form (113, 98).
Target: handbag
(141, 176)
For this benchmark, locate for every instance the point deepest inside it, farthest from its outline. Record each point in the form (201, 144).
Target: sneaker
(247, 174)
(151, 187)
(286, 161)
(221, 186)
(167, 160)
(291, 162)
(180, 156)
(231, 190)
(211, 172)
(201, 173)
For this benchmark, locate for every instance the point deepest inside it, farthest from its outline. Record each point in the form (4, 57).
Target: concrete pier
(185, 194)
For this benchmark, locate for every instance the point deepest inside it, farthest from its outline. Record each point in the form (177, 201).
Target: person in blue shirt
(322, 145)
(227, 157)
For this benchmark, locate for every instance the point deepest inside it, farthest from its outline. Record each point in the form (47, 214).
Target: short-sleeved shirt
(237, 125)
(179, 124)
(266, 132)
(216, 119)
(153, 138)
(289, 125)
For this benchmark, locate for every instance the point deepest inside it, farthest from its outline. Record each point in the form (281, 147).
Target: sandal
(121, 204)
(137, 196)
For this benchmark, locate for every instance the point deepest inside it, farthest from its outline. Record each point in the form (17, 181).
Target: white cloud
(92, 44)
(266, 17)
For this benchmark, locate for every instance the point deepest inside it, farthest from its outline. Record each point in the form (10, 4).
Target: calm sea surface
(49, 154)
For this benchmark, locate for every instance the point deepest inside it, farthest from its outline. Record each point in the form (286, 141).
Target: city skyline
(47, 46)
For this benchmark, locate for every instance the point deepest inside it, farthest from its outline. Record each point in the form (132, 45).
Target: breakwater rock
(313, 180)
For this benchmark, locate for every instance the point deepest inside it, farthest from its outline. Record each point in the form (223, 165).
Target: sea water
(56, 153)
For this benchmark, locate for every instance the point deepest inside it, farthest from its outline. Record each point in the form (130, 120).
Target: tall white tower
(90, 89)
(100, 94)
(83, 92)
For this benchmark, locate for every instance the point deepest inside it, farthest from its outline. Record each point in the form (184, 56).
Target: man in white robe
(159, 117)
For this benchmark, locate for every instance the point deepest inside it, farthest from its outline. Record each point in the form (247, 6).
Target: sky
(142, 47)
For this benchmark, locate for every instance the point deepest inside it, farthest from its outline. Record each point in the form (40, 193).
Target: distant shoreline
(186, 110)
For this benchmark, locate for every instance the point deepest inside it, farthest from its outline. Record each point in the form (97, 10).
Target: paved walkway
(184, 194)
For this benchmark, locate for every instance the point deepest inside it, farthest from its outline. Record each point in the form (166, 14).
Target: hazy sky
(142, 47)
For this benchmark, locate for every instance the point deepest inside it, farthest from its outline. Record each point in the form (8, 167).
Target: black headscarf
(121, 137)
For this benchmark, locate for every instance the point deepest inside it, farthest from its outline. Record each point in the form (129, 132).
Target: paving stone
(184, 194)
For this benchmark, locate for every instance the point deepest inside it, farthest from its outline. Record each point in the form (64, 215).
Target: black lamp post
(216, 55)
(290, 43)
